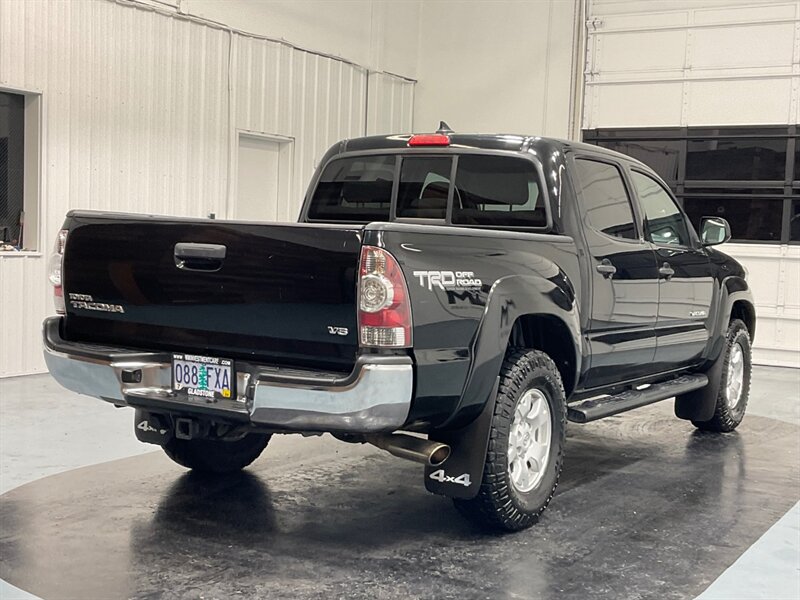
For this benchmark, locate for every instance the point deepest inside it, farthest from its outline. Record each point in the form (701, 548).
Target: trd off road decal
(448, 280)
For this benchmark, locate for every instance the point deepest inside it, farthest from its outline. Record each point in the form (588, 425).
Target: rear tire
(217, 455)
(734, 385)
(526, 445)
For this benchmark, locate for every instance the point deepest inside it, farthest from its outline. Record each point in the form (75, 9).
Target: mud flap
(699, 405)
(152, 428)
(461, 474)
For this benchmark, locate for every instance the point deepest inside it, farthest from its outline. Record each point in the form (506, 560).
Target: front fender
(509, 299)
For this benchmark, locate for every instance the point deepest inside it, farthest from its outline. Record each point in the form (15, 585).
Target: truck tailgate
(277, 293)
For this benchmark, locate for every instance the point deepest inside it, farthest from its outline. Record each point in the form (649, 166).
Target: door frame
(286, 152)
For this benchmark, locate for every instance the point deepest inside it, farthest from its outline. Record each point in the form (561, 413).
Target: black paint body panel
(278, 288)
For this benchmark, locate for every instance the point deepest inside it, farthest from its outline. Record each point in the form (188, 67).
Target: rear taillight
(56, 267)
(384, 314)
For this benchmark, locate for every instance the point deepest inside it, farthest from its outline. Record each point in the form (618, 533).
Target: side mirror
(714, 230)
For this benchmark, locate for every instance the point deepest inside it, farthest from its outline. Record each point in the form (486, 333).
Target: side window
(608, 207)
(666, 224)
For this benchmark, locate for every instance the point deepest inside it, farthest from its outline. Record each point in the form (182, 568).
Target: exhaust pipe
(411, 448)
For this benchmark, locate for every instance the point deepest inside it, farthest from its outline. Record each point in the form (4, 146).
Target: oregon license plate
(203, 376)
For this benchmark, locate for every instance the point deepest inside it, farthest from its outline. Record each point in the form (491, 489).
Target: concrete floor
(628, 484)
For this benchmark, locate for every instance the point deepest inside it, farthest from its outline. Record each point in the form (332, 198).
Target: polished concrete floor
(647, 508)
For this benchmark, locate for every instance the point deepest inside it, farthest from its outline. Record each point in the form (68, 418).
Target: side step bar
(606, 406)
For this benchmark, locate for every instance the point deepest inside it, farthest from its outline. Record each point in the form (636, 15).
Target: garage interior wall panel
(311, 99)
(671, 63)
(141, 111)
(391, 107)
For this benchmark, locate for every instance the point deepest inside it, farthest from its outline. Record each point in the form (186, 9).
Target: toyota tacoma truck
(452, 299)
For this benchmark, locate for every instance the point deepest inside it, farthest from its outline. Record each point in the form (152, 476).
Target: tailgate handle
(199, 257)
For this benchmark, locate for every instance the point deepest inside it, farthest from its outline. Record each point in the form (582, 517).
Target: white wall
(141, 111)
(495, 66)
(376, 34)
(654, 63)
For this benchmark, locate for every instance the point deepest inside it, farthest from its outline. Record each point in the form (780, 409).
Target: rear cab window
(481, 190)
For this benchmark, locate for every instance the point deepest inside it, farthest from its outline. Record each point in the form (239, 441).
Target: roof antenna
(444, 128)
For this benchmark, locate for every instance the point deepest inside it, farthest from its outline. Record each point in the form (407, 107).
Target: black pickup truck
(452, 299)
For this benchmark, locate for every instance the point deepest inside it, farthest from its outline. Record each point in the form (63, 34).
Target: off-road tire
(216, 456)
(727, 418)
(498, 505)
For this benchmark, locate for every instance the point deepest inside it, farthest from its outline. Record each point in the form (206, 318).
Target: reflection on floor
(647, 508)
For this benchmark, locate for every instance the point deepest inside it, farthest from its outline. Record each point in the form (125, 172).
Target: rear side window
(355, 189)
(497, 190)
(606, 201)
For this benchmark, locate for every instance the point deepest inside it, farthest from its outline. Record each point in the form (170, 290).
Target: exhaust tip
(440, 454)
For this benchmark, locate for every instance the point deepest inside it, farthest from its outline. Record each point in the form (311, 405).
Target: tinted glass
(794, 221)
(605, 198)
(750, 218)
(497, 190)
(736, 160)
(666, 225)
(424, 184)
(354, 190)
(662, 156)
(796, 176)
(12, 153)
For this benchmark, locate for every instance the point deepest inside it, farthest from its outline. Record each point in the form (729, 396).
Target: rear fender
(467, 431)
(509, 299)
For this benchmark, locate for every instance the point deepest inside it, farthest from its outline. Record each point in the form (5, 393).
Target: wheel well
(743, 310)
(552, 336)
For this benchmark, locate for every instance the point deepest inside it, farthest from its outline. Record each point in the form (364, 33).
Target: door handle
(199, 257)
(666, 271)
(605, 268)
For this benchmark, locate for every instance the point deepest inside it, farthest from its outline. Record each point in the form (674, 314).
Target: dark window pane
(750, 219)
(424, 184)
(758, 159)
(797, 159)
(730, 191)
(497, 190)
(12, 154)
(666, 225)
(712, 132)
(606, 201)
(660, 155)
(794, 221)
(354, 190)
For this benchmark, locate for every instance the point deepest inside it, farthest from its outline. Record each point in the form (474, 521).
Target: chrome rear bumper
(374, 397)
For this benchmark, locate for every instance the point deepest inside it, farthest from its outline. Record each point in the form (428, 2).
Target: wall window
(605, 199)
(12, 169)
(748, 175)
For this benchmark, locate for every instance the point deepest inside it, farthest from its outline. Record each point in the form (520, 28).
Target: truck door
(686, 286)
(624, 277)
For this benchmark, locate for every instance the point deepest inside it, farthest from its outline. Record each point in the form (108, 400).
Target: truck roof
(482, 141)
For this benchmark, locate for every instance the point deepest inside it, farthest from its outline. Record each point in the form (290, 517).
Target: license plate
(203, 376)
